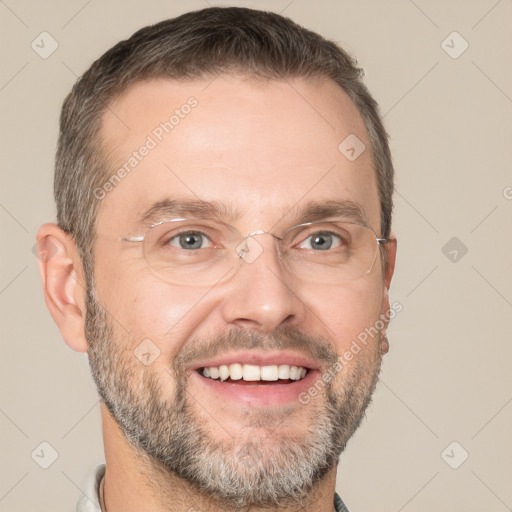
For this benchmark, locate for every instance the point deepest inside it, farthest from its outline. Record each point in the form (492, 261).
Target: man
(224, 196)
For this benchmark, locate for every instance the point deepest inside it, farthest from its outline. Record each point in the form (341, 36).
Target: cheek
(348, 311)
(165, 314)
(143, 307)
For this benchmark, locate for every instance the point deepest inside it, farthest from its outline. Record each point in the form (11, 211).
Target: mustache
(235, 339)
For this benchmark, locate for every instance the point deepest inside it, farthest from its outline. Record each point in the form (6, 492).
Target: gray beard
(240, 472)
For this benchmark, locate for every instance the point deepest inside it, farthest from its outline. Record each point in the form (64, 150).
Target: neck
(133, 482)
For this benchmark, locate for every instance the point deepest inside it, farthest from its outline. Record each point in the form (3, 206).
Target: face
(265, 150)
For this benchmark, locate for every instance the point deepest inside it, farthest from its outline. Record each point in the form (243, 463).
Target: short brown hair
(194, 45)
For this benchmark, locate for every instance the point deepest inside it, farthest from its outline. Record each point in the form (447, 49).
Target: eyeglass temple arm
(132, 239)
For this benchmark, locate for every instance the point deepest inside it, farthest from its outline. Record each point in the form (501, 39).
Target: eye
(189, 240)
(322, 240)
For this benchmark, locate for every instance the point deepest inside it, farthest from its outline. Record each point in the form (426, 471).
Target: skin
(264, 146)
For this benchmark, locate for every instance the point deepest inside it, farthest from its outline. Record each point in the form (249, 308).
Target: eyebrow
(183, 207)
(311, 211)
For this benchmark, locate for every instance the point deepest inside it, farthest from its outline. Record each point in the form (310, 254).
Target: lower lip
(259, 394)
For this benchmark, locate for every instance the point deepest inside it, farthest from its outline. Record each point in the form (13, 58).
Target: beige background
(447, 377)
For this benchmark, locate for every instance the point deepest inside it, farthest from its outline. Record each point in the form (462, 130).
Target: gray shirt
(89, 501)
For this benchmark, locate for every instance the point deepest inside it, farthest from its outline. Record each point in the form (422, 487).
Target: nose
(262, 294)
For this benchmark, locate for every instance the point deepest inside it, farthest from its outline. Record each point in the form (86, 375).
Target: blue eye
(322, 240)
(189, 240)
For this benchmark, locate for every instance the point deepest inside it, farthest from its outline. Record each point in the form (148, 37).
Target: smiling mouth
(249, 374)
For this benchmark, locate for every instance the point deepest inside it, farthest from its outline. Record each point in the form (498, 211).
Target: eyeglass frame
(379, 241)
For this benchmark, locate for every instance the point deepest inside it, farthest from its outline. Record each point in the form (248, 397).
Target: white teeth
(269, 372)
(294, 374)
(284, 371)
(251, 372)
(223, 372)
(235, 371)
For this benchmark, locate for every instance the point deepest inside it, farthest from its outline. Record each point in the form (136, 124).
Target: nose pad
(249, 250)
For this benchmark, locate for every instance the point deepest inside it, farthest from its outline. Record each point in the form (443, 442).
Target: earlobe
(384, 345)
(61, 273)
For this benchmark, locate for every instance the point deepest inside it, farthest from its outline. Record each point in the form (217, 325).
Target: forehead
(262, 148)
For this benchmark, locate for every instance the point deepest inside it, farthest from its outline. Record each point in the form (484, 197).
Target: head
(247, 112)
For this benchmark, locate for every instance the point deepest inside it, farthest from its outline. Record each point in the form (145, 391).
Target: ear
(390, 248)
(63, 283)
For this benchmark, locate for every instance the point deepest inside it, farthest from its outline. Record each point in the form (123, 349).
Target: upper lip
(259, 359)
